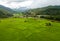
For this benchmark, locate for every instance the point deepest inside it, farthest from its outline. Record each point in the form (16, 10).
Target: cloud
(43, 3)
(38, 3)
(16, 3)
(29, 3)
(14, 0)
(21, 4)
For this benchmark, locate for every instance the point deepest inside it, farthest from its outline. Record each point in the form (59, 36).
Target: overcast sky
(28, 3)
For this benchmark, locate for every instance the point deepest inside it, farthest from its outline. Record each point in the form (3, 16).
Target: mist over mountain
(21, 9)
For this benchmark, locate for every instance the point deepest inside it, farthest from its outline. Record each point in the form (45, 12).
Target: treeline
(51, 12)
(5, 12)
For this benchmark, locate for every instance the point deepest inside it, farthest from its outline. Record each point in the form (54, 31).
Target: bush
(42, 17)
(48, 24)
(51, 17)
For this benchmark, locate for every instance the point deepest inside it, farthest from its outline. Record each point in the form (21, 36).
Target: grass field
(22, 29)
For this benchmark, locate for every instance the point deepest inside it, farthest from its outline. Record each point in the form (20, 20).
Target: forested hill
(53, 12)
(5, 12)
(49, 10)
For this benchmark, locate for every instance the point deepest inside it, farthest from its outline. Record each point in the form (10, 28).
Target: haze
(28, 3)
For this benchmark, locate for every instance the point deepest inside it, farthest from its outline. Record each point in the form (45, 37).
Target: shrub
(48, 24)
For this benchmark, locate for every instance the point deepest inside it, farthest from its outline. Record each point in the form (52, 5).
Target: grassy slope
(15, 29)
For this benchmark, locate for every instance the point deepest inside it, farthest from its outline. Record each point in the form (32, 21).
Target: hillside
(52, 11)
(46, 10)
(5, 12)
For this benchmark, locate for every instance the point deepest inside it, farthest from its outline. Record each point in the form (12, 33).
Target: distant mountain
(6, 9)
(5, 12)
(21, 9)
(49, 10)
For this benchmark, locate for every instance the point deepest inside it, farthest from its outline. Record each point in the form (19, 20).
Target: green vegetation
(5, 12)
(52, 11)
(31, 25)
(29, 29)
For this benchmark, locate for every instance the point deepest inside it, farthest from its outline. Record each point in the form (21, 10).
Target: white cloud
(21, 4)
(42, 3)
(28, 3)
(16, 4)
(38, 3)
